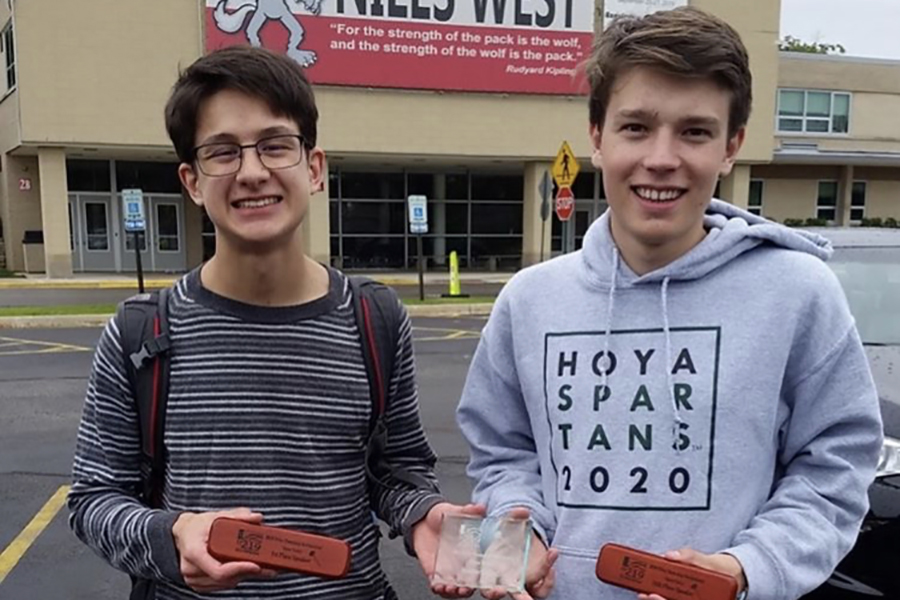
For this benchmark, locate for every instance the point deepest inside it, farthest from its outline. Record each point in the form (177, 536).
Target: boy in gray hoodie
(691, 382)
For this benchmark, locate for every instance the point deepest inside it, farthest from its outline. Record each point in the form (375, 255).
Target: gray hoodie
(722, 402)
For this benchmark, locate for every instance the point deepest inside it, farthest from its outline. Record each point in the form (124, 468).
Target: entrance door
(92, 237)
(162, 244)
(168, 225)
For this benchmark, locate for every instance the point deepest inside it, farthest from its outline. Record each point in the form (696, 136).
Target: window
(167, 227)
(9, 52)
(150, 177)
(807, 111)
(858, 202)
(96, 226)
(826, 205)
(755, 203)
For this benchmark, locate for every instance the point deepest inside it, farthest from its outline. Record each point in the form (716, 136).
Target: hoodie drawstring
(670, 383)
(609, 315)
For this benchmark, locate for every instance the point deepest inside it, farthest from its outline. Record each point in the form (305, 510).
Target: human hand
(723, 563)
(426, 536)
(539, 573)
(203, 573)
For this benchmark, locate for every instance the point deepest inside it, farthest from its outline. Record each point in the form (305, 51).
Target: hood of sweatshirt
(731, 232)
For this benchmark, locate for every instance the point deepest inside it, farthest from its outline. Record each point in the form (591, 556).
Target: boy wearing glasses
(268, 406)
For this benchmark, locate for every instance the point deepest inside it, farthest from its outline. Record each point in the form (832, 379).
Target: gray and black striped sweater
(269, 409)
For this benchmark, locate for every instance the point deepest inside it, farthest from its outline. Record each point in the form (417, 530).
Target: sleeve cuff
(162, 545)
(764, 580)
(540, 528)
(416, 514)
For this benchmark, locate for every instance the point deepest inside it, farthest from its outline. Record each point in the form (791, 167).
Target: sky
(864, 27)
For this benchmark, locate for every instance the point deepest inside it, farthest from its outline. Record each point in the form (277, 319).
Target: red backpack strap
(144, 330)
(378, 318)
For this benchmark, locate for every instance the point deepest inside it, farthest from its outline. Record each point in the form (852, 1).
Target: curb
(93, 321)
(55, 284)
(111, 284)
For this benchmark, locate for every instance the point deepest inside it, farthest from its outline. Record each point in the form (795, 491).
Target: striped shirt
(268, 408)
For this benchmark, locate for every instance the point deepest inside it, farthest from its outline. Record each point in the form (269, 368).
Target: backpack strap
(377, 312)
(378, 318)
(144, 328)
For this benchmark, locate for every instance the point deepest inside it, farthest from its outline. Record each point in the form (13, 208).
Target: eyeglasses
(220, 159)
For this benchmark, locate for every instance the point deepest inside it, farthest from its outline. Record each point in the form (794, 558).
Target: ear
(732, 150)
(595, 131)
(189, 180)
(316, 160)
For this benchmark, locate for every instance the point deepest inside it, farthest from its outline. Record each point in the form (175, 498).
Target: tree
(792, 44)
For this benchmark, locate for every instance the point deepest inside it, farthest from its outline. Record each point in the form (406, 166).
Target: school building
(465, 102)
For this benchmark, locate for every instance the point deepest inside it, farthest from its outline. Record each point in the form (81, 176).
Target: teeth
(657, 195)
(257, 203)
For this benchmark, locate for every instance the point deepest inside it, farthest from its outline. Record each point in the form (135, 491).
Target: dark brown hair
(684, 42)
(273, 78)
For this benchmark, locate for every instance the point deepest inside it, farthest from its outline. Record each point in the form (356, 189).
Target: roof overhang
(807, 156)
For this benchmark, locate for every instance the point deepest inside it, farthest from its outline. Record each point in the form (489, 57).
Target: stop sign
(565, 203)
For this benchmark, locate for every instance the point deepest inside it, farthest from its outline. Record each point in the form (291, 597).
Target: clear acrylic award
(483, 553)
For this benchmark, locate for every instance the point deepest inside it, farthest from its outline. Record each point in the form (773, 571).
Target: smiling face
(662, 146)
(256, 208)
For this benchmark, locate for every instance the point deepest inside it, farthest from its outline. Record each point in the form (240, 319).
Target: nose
(252, 170)
(662, 154)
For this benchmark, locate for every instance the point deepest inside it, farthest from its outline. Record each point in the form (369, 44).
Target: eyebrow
(264, 133)
(638, 114)
(647, 115)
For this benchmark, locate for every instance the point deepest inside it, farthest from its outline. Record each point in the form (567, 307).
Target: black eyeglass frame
(259, 155)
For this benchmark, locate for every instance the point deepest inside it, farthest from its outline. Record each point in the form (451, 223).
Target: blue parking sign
(133, 209)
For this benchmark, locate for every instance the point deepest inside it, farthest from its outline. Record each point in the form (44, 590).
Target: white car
(867, 263)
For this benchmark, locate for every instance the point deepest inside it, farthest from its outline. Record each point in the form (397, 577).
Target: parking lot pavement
(43, 376)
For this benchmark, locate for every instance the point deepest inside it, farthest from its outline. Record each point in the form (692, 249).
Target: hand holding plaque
(484, 553)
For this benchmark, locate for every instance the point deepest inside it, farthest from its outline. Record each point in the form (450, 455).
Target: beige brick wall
(23, 208)
(97, 72)
(883, 199)
(791, 191)
(789, 199)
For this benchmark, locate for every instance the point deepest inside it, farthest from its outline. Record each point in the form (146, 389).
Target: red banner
(369, 51)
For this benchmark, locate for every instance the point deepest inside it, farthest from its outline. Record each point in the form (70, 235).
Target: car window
(871, 281)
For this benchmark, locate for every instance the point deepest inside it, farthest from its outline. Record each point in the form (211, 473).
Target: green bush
(793, 222)
(816, 222)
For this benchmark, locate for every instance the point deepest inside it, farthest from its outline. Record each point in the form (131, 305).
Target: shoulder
(803, 288)
(549, 277)
(794, 271)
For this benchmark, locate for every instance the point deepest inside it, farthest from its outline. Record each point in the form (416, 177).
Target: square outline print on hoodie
(626, 432)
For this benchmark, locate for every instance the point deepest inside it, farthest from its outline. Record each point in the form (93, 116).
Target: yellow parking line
(17, 548)
(46, 347)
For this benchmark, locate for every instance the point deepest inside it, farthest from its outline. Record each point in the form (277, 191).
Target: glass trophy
(483, 553)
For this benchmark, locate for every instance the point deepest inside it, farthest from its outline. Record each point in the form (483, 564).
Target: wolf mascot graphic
(230, 16)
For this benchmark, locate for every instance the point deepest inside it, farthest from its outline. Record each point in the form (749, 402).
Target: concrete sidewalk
(154, 280)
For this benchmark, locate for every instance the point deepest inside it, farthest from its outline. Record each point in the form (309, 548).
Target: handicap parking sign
(133, 209)
(418, 214)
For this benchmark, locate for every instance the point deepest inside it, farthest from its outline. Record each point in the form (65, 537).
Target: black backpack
(144, 332)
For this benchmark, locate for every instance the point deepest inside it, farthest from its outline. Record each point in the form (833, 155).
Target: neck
(282, 276)
(646, 258)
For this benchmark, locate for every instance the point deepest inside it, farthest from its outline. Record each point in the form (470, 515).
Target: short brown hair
(274, 78)
(684, 42)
